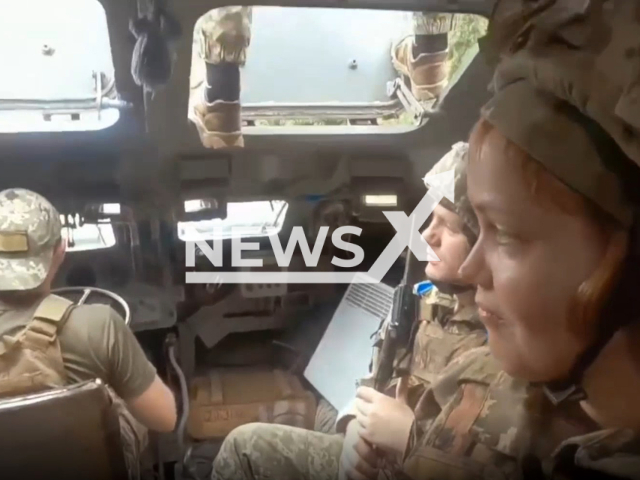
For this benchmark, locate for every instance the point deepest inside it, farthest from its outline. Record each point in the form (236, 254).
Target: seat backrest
(69, 433)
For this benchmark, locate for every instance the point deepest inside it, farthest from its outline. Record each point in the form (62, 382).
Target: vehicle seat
(69, 433)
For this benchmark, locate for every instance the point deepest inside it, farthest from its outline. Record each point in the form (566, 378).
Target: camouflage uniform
(31, 357)
(224, 34)
(478, 422)
(474, 422)
(263, 451)
(445, 332)
(445, 329)
(257, 451)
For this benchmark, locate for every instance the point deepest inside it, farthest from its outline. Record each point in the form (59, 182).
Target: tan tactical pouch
(227, 398)
(31, 361)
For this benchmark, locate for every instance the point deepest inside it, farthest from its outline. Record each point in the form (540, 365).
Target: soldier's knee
(245, 433)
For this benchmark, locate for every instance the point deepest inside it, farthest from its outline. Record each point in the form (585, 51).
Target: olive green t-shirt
(95, 343)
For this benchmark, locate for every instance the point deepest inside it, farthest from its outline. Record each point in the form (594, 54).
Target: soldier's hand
(358, 460)
(385, 422)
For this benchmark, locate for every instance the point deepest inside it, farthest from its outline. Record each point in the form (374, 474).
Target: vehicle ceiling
(135, 161)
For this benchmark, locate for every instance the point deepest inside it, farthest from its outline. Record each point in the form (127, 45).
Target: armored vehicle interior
(333, 137)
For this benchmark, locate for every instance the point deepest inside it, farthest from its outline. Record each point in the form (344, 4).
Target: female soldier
(554, 180)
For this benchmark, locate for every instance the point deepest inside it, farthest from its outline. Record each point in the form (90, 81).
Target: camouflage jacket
(477, 422)
(441, 335)
(443, 332)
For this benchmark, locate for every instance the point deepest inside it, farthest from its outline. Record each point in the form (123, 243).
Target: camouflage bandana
(30, 228)
(456, 160)
(567, 92)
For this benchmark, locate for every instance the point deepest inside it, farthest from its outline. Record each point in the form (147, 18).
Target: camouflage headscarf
(568, 92)
(30, 228)
(456, 159)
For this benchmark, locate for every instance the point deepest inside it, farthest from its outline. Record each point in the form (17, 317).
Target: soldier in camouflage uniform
(449, 326)
(46, 342)
(448, 323)
(222, 37)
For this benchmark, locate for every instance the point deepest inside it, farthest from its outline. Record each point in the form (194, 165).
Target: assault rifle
(398, 334)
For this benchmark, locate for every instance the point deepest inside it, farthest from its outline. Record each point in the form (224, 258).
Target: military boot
(216, 110)
(428, 72)
(219, 123)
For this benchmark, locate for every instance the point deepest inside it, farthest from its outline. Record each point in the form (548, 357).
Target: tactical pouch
(31, 361)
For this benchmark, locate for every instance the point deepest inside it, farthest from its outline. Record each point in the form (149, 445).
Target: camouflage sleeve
(224, 34)
(477, 431)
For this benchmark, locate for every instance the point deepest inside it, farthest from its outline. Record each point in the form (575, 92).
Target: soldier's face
(444, 235)
(528, 264)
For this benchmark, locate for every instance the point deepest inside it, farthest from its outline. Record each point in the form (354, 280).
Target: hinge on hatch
(399, 88)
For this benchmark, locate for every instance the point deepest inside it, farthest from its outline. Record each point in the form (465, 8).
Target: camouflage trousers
(432, 23)
(260, 451)
(134, 437)
(224, 34)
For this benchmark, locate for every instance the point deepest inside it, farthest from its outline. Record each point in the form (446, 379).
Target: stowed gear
(568, 71)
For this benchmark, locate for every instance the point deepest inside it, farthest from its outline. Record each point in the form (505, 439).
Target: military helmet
(30, 229)
(456, 159)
